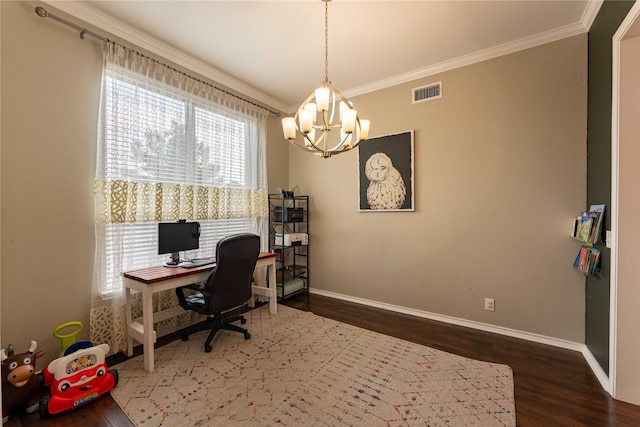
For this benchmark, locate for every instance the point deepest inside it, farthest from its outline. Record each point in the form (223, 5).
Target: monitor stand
(174, 261)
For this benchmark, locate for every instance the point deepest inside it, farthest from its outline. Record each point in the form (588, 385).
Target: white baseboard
(597, 370)
(542, 339)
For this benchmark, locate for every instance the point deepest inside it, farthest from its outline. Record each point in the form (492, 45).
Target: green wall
(604, 27)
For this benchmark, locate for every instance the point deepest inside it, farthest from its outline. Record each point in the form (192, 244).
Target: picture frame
(386, 173)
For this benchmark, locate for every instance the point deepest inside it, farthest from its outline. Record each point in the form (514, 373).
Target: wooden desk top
(159, 273)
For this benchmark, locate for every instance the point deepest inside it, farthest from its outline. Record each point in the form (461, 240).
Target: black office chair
(228, 287)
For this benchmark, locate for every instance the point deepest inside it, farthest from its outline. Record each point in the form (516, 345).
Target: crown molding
(590, 13)
(85, 13)
(129, 34)
(473, 58)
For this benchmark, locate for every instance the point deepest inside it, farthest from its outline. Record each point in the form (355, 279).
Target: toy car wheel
(44, 405)
(114, 372)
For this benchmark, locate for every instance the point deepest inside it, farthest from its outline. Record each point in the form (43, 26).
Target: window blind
(169, 155)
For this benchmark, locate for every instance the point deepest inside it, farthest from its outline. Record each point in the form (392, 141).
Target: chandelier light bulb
(343, 107)
(364, 129)
(349, 118)
(312, 107)
(289, 127)
(322, 99)
(305, 116)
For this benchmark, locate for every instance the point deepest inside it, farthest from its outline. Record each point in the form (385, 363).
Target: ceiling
(273, 51)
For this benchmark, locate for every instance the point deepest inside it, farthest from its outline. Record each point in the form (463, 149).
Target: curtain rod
(41, 12)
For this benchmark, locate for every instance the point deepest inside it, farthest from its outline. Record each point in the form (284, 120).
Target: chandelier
(326, 120)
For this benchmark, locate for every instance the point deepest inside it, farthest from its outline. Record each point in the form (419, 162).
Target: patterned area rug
(301, 369)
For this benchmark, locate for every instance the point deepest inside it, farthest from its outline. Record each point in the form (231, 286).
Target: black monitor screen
(178, 236)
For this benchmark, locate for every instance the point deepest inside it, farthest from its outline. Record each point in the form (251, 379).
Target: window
(165, 155)
(169, 138)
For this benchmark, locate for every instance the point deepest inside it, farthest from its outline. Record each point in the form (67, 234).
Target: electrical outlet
(489, 304)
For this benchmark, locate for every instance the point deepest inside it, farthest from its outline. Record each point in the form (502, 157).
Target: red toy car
(76, 379)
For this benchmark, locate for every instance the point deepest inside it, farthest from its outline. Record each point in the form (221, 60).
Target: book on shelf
(588, 226)
(587, 260)
(588, 229)
(593, 269)
(583, 232)
(574, 229)
(593, 233)
(597, 211)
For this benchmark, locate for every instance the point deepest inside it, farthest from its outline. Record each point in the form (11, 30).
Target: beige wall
(277, 156)
(500, 170)
(627, 370)
(50, 94)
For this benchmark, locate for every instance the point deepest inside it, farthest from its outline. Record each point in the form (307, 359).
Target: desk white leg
(147, 324)
(127, 298)
(273, 299)
(252, 301)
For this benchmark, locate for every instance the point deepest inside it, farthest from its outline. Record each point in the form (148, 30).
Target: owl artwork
(386, 188)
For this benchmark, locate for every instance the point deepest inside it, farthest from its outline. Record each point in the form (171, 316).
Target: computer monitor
(174, 237)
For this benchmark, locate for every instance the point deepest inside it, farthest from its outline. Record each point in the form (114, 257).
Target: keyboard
(196, 263)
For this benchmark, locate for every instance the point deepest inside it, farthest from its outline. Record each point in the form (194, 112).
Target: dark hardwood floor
(553, 387)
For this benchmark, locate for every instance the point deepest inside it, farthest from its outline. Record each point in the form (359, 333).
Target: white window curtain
(170, 147)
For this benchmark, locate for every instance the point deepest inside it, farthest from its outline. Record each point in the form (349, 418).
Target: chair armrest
(182, 298)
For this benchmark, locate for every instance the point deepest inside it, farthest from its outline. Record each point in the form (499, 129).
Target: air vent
(426, 93)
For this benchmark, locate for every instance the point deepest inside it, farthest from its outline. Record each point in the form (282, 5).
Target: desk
(157, 279)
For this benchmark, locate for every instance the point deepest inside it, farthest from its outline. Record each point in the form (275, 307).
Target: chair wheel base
(208, 348)
(247, 335)
(184, 337)
(243, 320)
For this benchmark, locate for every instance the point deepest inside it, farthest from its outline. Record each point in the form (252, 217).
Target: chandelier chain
(326, 40)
